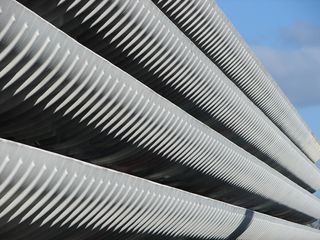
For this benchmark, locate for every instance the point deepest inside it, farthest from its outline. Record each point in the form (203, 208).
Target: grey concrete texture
(50, 196)
(58, 95)
(140, 39)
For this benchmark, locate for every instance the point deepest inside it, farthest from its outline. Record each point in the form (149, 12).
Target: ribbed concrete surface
(207, 26)
(58, 95)
(49, 196)
(139, 38)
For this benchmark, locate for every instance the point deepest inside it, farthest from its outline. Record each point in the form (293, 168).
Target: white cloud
(301, 33)
(296, 69)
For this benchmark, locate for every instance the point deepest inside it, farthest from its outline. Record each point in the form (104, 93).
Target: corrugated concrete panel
(207, 26)
(60, 96)
(49, 196)
(139, 38)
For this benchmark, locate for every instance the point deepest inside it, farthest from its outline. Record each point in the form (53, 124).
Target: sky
(285, 35)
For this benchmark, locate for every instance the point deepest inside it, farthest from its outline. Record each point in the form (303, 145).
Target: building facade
(127, 119)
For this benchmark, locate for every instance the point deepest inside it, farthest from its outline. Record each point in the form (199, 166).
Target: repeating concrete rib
(207, 26)
(139, 38)
(58, 95)
(49, 196)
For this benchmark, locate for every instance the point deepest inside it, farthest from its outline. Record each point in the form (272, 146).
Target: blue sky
(285, 34)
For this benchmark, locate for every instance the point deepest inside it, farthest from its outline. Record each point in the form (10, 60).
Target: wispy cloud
(296, 68)
(301, 34)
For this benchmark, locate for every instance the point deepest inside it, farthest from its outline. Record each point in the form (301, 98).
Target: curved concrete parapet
(49, 196)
